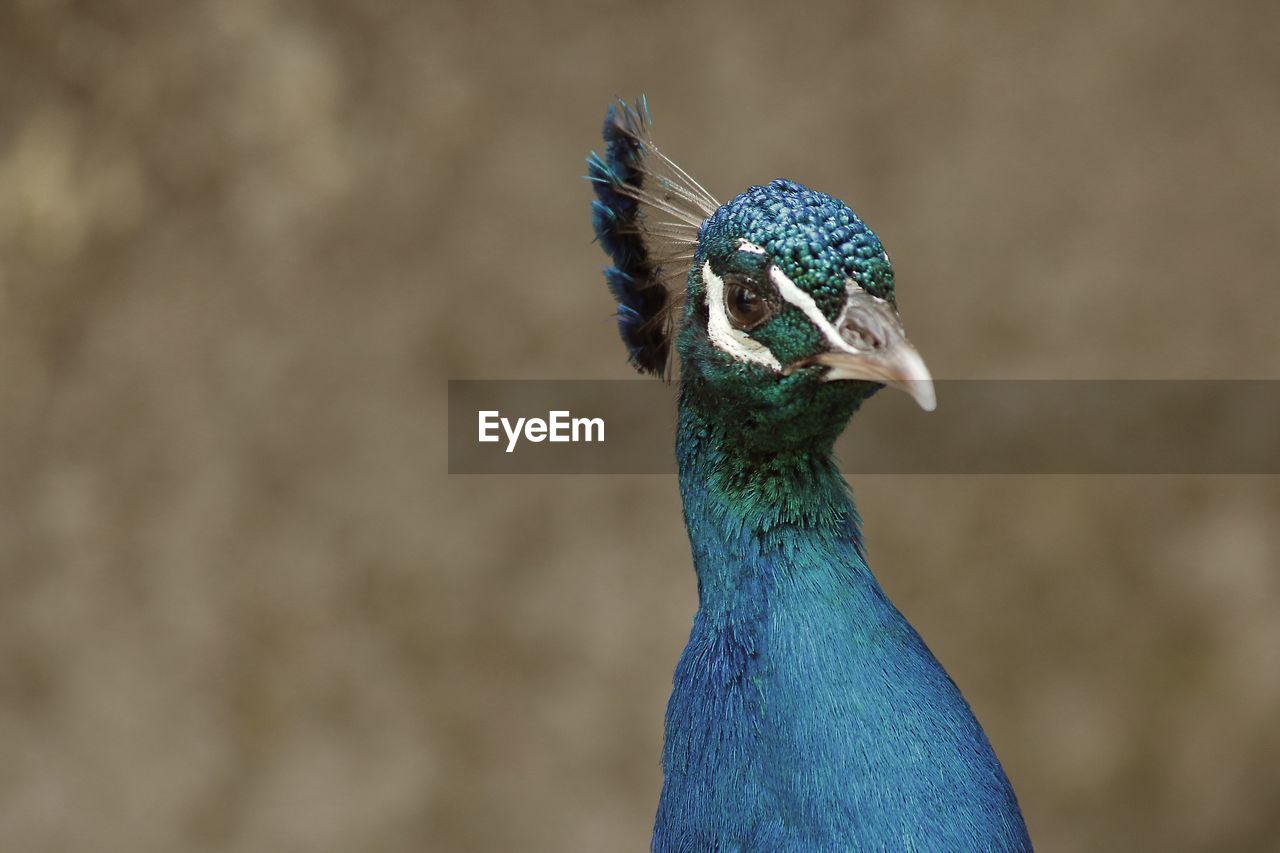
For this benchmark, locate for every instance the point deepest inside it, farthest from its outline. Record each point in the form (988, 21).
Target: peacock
(806, 713)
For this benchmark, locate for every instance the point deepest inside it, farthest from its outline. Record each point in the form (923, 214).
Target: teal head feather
(788, 292)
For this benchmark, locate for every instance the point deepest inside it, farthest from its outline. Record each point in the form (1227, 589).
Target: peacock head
(789, 313)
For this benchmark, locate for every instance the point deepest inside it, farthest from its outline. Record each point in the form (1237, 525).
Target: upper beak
(873, 346)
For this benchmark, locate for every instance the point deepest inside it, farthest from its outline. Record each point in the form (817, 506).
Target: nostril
(861, 337)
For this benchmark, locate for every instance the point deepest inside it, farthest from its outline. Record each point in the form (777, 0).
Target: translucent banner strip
(980, 427)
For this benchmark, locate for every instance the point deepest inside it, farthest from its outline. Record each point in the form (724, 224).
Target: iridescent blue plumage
(806, 714)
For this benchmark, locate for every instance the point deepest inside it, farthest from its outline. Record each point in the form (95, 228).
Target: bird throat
(755, 488)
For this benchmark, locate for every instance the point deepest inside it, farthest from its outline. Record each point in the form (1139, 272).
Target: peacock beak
(871, 345)
(902, 368)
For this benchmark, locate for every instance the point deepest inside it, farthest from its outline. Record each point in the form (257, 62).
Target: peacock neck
(806, 714)
(758, 513)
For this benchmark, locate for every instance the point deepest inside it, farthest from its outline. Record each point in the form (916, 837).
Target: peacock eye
(745, 307)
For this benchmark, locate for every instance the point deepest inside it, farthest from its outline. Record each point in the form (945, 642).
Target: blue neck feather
(806, 713)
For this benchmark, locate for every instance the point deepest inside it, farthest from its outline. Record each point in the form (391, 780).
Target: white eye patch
(741, 345)
(735, 342)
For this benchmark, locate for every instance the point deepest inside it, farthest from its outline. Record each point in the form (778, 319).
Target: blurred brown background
(244, 244)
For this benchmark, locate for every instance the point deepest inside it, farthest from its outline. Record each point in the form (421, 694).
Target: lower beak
(899, 366)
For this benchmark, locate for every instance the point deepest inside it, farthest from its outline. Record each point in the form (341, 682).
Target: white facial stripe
(748, 246)
(791, 292)
(723, 335)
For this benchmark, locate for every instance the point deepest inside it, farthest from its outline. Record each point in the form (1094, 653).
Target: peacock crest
(648, 215)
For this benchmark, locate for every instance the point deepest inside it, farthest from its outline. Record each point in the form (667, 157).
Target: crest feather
(647, 216)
